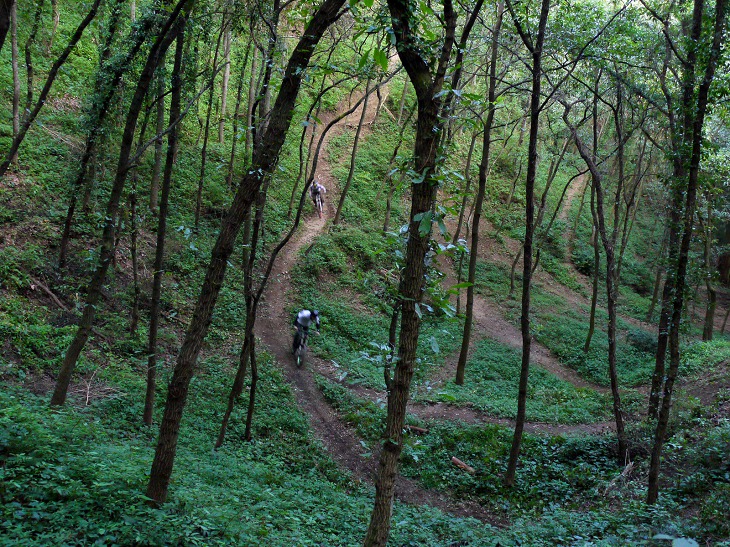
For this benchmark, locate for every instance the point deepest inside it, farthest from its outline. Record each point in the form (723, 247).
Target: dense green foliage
(76, 475)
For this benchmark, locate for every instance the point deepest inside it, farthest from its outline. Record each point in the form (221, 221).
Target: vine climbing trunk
(695, 108)
(429, 126)
(263, 163)
(32, 114)
(73, 352)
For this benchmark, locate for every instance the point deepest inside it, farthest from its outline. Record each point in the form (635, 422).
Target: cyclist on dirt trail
(315, 190)
(302, 322)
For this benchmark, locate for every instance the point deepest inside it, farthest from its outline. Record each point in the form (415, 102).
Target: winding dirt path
(273, 328)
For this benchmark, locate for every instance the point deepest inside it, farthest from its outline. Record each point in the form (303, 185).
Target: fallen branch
(461, 465)
(621, 477)
(35, 283)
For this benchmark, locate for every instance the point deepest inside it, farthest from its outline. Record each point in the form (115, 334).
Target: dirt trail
(273, 327)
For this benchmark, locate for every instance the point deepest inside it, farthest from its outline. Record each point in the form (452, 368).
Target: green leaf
(380, 57)
(368, 3)
(363, 60)
(462, 285)
(434, 345)
(442, 227)
(424, 225)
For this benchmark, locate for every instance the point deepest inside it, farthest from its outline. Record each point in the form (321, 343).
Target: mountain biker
(302, 322)
(317, 190)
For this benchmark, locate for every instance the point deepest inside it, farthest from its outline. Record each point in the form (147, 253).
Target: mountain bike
(318, 205)
(300, 347)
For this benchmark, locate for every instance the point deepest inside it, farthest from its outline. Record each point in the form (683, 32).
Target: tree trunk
(236, 113)
(224, 83)
(403, 95)
(56, 20)
(483, 167)
(611, 292)
(351, 173)
(536, 70)
(467, 184)
(596, 269)
(428, 131)
(250, 107)
(709, 325)
(206, 133)
(134, 320)
(14, 60)
(262, 165)
(172, 138)
(252, 392)
(107, 249)
(159, 128)
(29, 69)
(32, 114)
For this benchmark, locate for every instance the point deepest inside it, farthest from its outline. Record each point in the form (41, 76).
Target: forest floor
(274, 329)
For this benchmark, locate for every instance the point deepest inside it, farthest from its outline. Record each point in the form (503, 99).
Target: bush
(637, 275)
(642, 340)
(583, 258)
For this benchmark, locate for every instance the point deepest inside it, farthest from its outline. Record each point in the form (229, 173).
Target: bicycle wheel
(300, 355)
(318, 203)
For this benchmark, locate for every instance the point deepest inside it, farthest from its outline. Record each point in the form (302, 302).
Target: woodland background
(525, 240)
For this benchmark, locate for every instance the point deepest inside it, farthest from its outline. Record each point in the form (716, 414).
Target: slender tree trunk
(236, 389)
(467, 184)
(427, 86)
(513, 271)
(250, 106)
(351, 173)
(654, 294)
(611, 292)
(709, 325)
(252, 392)
(262, 165)
(206, 133)
(402, 101)
(483, 167)
(172, 138)
(224, 83)
(263, 101)
(159, 128)
(596, 271)
(107, 249)
(236, 114)
(29, 69)
(536, 69)
(133, 250)
(56, 20)
(14, 61)
(32, 114)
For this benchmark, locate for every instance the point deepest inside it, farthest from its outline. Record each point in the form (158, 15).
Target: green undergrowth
(77, 476)
(348, 276)
(569, 490)
(563, 328)
(490, 385)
